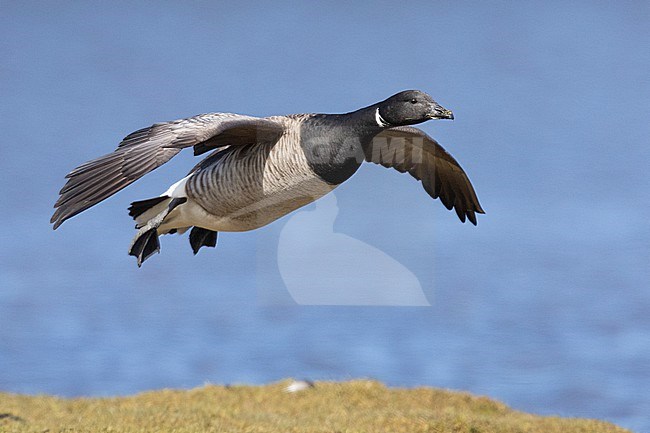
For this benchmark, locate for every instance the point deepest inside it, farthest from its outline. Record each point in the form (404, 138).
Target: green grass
(356, 406)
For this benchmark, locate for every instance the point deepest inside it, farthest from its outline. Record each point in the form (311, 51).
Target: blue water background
(544, 306)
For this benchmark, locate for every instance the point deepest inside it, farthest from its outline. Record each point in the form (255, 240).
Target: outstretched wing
(409, 149)
(149, 148)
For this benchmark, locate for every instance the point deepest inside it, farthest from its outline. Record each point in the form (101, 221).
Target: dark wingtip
(54, 221)
(472, 214)
(460, 212)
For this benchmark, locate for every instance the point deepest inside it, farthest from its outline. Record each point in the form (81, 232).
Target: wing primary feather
(441, 175)
(148, 148)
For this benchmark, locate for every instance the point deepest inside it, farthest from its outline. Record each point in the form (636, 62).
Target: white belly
(273, 205)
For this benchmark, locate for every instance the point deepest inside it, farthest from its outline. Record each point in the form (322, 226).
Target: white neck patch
(380, 120)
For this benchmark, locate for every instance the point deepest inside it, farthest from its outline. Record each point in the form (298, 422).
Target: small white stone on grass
(299, 385)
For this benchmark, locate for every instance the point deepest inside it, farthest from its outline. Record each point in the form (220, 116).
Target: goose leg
(145, 243)
(200, 237)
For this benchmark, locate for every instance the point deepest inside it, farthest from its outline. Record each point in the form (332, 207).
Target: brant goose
(260, 169)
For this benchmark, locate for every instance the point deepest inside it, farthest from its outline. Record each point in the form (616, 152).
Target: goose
(261, 169)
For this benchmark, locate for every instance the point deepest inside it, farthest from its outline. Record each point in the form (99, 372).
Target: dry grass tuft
(356, 406)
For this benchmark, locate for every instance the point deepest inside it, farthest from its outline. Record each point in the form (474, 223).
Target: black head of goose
(263, 168)
(409, 108)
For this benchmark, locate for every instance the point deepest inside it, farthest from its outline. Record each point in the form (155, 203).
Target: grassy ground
(357, 406)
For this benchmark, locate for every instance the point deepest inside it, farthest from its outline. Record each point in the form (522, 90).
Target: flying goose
(261, 169)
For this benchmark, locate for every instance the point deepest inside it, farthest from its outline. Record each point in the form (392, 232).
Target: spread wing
(149, 148)
(409, 149)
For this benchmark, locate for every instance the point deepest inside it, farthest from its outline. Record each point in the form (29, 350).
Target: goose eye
(414, 101)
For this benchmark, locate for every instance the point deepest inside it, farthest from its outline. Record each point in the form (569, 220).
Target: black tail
(145, 246)
(137, 208)
(200, 237)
